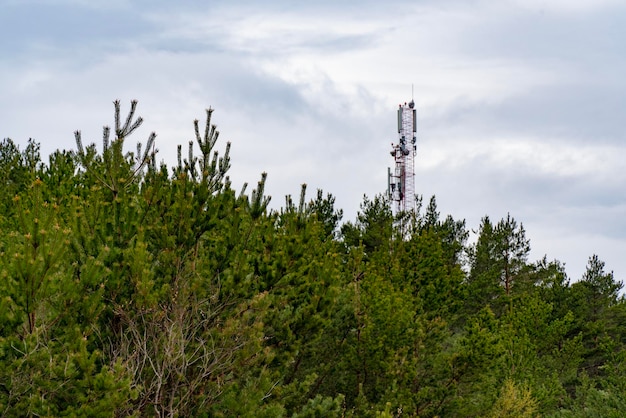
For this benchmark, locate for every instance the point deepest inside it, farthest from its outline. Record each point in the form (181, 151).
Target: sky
(521, 103)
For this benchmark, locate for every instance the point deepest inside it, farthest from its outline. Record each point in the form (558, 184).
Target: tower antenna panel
(401, 179)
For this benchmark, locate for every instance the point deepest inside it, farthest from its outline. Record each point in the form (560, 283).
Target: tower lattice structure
(401, 180)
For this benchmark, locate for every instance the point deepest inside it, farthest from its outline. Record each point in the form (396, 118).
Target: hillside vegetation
(129, 288)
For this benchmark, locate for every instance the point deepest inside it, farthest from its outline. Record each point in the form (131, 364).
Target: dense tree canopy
(129, 288)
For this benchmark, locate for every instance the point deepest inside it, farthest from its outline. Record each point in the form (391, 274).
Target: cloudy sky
(521, 103)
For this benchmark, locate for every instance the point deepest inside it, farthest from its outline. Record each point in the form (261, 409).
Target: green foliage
(374, 226)
(132, 289)
(59, 377)
(513, 402)
(498, 265)
(322, 407)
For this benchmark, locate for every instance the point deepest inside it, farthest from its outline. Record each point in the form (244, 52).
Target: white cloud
(553, 158)
(575, 7)
(310, 96)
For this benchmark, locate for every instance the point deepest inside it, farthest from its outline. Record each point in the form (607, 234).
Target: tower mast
(401, 180)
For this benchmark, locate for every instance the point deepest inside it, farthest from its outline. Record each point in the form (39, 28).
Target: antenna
(401, 180)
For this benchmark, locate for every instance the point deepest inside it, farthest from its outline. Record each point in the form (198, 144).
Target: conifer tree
(498, 264)
(132, 289)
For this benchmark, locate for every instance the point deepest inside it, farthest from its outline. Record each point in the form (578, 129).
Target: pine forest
(130, 288)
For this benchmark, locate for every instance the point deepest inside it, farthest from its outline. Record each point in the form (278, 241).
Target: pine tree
(498, 265)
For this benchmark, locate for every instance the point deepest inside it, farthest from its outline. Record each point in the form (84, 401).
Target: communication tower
(401, 180)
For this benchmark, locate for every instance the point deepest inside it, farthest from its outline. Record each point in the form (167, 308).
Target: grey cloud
(27, 28)
(540, 36)
(585, 113)
(335, 134)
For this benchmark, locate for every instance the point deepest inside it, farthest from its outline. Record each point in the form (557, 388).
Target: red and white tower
(401, 184)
